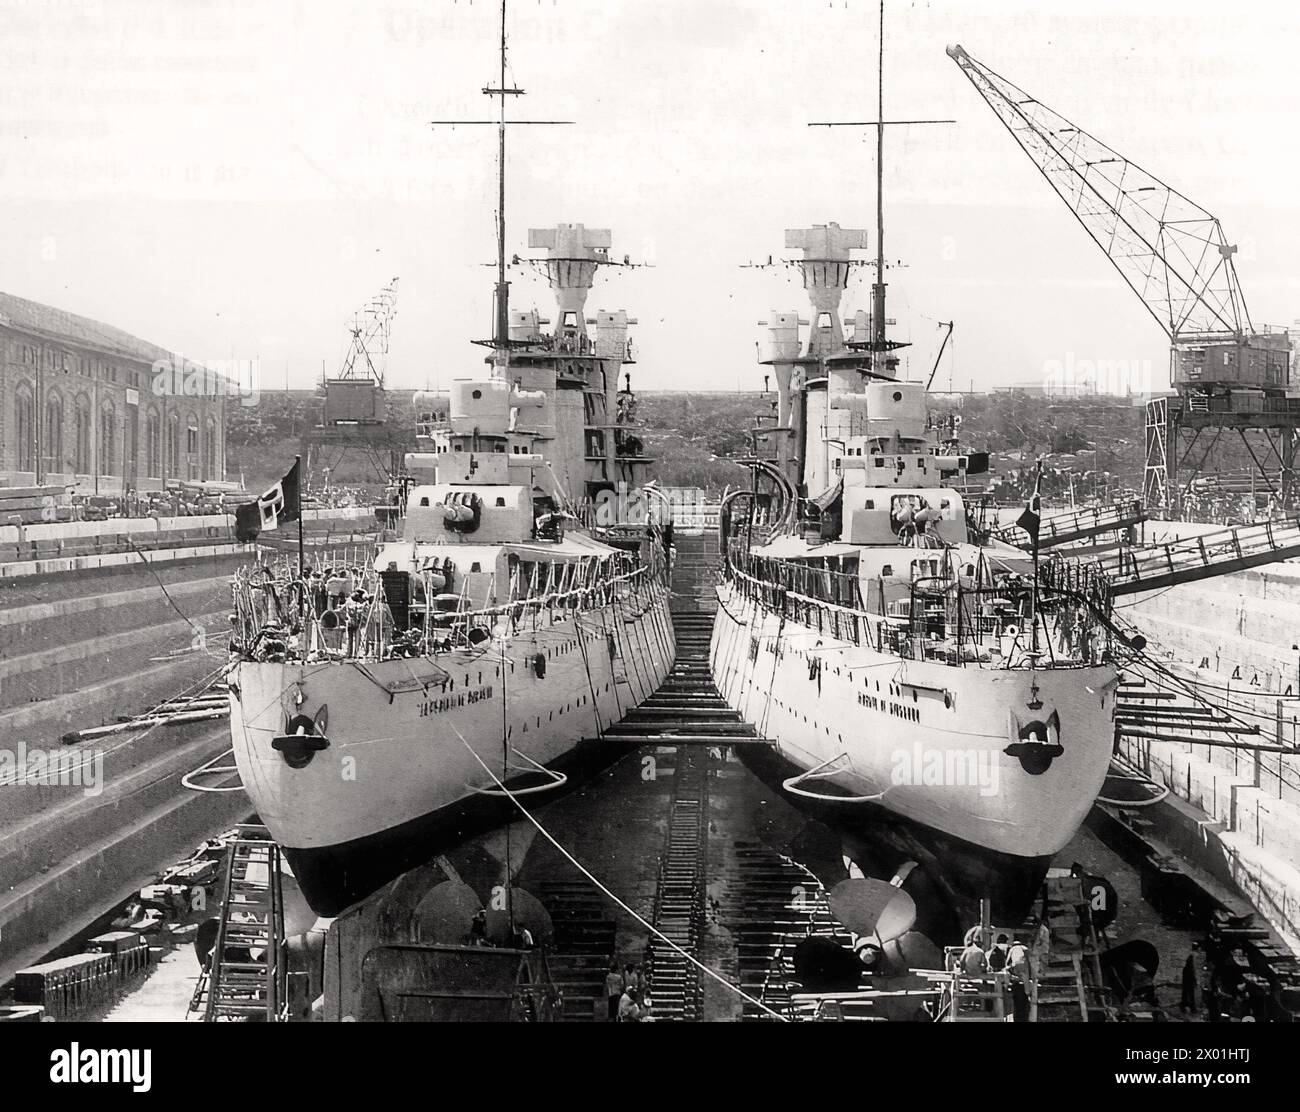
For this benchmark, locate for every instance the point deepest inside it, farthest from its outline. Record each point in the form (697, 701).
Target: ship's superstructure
(912, 672)
(577, 402)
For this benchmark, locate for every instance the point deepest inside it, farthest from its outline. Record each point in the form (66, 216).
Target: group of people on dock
(627, 995)
(1008, 954)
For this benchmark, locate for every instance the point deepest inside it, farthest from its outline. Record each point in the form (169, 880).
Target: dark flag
(1033, 514)
(278, 506)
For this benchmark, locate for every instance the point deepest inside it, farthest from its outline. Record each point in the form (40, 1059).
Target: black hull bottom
(333, 878)
(952, 876)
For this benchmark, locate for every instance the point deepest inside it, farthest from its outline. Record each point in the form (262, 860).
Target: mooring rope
(585, 872)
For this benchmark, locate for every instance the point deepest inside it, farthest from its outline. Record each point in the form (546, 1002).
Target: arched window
(52, 441)
(174, 446)
(210, 449)
(107, 438)
(82, 463)
(153, 445)
(191, 446)
(25, 427)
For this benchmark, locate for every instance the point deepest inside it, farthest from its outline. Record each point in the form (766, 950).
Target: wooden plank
(8, 492)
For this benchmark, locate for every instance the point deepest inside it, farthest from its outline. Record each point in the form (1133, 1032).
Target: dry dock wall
(77, 650)
(81, 546)
(1236, 632)
(63, 869)
(100, 620)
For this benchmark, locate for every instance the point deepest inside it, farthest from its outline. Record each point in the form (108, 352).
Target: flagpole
(296, 461)
(1037, 504)
(1034, 619)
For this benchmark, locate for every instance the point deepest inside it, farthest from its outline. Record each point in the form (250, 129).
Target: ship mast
(501, 316)
(500, 341)
(880, 345)
(501, 335)
(878, 287)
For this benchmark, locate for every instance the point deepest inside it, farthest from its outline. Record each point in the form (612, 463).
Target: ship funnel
(611, 334)
(526, 326)
(860, 322)
(780, 349)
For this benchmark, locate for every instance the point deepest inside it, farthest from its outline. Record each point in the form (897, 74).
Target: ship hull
(413, 745)
(953, 874)
(930, 753)
(336, 876)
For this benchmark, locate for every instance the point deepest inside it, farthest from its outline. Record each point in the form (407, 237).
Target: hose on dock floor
(1137, 776)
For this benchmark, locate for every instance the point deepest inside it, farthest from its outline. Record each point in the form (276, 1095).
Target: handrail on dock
(1075, 525)
(1229, 550)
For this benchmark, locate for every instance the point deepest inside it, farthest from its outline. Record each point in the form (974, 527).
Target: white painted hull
(902, 728)
(399, 760)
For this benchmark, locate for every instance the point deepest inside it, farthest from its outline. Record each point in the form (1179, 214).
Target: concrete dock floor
(758, 850)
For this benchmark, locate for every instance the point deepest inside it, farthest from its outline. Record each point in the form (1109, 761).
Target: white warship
(919, 680)
(522, 612)
(492, 644)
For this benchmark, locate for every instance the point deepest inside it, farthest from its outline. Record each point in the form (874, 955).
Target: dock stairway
(1076, 525)
(1151, 708)
(773, 905)
(1151, 567)
(247, 975)
(583, 947)
(696, 560)
(1070, 987)
(687, 708)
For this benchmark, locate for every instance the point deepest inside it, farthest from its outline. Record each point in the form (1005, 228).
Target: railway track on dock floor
(690, 704)
(680, 893)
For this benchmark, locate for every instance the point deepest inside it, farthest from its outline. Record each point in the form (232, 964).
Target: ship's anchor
(1038, 743)
(303, 738)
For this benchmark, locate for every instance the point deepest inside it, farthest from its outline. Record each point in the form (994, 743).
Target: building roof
(58, 324)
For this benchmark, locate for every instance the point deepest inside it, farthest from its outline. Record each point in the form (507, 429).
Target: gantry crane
(1227, 375)
(354, 413)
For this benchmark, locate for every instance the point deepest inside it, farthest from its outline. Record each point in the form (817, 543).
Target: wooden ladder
(1070, 986)
(247, 976)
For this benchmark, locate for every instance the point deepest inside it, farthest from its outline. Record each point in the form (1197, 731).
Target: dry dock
(678, 859)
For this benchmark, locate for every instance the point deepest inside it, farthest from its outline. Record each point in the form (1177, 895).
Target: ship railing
(941, 621)
(1007, 624)
(274, 619)
(557, 605)
(284, 566)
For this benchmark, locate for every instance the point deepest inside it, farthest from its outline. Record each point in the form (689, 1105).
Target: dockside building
(87, 405)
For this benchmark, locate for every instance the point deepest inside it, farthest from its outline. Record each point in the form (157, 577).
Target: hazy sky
(234, 178)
